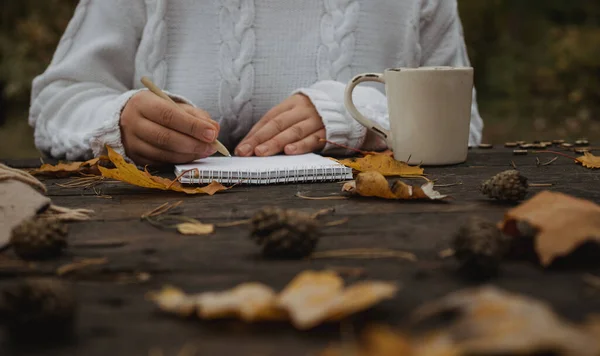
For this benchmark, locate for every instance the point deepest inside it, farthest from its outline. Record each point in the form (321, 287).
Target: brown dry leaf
(309, 300)
(309, 296)
(129, 173)
(382, 163)
(250, 302)
(315, 297)
(563, 223)
(196, 228)
(489, 321)
(588, 160)
(66, 169)
(374, 184)
(174, 300)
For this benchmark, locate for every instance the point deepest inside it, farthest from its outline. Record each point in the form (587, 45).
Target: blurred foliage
(537, 62)
(29, 34)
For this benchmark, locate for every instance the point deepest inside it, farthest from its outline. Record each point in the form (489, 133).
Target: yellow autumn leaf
(128, 173)
(588, 160)
(195, 228)
(384, 164)
(66, 169)
(374, 184)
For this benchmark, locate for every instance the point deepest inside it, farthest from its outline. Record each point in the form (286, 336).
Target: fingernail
(244, 150)
(210, 135)
(292, 148)
(261, 150)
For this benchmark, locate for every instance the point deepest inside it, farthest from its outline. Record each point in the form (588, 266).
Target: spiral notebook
(263, 170)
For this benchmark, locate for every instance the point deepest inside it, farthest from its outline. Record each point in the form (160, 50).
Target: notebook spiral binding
(294, 175)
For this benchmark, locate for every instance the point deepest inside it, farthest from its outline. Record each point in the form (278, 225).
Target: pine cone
(39, 308)
(284, 233)
(37, 239)
(480, 246)
(507, 186)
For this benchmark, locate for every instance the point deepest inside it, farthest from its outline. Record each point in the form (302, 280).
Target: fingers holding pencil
(155, 131)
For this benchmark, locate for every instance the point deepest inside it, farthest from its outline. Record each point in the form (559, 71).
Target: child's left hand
(294, 127)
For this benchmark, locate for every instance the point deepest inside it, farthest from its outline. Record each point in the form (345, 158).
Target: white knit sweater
(235, 59)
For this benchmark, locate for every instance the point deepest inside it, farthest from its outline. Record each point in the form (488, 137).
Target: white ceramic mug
(429, 112)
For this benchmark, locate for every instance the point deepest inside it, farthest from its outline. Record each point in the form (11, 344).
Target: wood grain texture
(116, 319)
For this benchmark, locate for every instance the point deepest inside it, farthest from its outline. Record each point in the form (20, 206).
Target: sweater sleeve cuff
(339, 127)
(110, 133)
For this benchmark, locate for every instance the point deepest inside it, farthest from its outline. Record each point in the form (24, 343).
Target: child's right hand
(153, 132)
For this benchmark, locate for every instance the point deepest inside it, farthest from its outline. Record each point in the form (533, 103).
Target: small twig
(365, 253)
(337, 222)
(447, 185)
(550, 161)
(101, 244)
(181, 175)
(332, 197)
(560, 154)
(541, 185)
(79, 265)
(234, 223)
(322, 212)
(512, 163)
(161, 209)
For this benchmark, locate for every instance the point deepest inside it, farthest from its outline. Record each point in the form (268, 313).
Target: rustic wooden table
(116, 319)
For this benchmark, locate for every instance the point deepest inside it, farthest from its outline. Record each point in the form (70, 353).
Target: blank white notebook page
(263, 170)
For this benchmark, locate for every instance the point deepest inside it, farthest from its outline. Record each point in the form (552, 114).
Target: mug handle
(349, 103)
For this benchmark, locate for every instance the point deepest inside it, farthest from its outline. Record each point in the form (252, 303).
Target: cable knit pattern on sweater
(151, 57)
(235, 57)
(337, 34)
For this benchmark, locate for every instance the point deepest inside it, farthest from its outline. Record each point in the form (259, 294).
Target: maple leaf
(128, 173)
(562, 223)
(67, 169)
(374, 184)
(588, 160)
(309, 300)
(382, 163)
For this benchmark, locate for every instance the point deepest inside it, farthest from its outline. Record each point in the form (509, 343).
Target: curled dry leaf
(374, 184)
(128, 173)
(562, 223)
(490, 321)
(480, 321)
(310, 299)
(382, 163)
(67, 169)
(588, 160)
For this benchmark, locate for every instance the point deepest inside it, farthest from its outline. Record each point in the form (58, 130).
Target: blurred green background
(537, 65)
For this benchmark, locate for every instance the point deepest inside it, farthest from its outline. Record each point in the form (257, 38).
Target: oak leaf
(66, 169)
(310, 299)
(382, 163)
(129, 173)
(561, 223)
(588, 160)
(374, 184)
